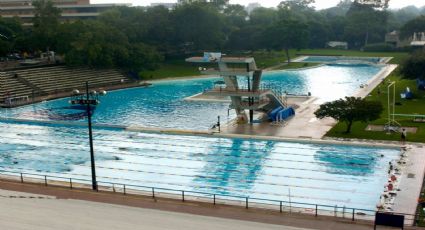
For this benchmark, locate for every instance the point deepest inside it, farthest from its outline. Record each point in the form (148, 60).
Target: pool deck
(305, 124)
(411, 181)
(59, 208)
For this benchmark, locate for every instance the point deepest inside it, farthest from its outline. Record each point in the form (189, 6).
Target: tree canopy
(349, 110)
(414, 66)
(194, 26)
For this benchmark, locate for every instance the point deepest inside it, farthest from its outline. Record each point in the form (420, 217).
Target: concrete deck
(410, 181)
(305, 124)
(85, 209)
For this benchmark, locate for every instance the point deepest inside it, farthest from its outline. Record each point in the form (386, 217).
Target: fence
(352, 214)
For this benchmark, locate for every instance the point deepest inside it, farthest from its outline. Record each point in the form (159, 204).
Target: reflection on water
(238, 170)
(348, 161)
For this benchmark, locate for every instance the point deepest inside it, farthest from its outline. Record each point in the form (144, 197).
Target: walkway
(84, 209)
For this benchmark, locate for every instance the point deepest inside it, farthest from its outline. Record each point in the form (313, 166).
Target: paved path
(84, 209)
(33, 214)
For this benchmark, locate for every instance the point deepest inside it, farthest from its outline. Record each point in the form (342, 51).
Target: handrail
(246, 200)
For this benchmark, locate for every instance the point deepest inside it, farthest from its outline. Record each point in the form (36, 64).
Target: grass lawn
(414, 106)
(171, 68)
(264, 59)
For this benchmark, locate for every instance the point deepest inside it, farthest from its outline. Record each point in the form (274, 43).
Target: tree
(349, 110)
(98, 45)
(364, 25)
(412, 26)
(235, 16)
(46, 21)
(296, 5)
(287, 34)
(414, 66)
(198, 27)
(263, 16)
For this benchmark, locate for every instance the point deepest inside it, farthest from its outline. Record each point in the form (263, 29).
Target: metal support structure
(289, 198)
(392, 124)
(250, 100)
(92, 160)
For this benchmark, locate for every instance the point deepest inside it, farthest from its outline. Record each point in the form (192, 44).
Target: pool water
(340, 175)
(341, 59)
(163, 105)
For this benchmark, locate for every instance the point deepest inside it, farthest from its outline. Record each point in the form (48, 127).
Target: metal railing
(353, 214)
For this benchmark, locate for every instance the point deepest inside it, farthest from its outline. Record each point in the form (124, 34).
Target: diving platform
(242, 83)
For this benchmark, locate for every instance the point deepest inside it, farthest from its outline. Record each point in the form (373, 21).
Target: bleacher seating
(56, 79)
(12, 88)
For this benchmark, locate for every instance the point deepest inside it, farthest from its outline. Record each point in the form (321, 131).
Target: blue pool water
(163, 104)
(342, 59)
(326, 174)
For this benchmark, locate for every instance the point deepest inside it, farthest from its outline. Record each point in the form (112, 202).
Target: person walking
(403, 136)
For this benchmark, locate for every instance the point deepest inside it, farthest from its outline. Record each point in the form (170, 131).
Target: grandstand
(24, 86)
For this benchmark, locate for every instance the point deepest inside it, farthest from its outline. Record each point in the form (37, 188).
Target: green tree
(142, 57)
(263, 16)
(364, 25)
(414, 66)
(235, 16)
(412, 26)
(98, 45)
(349, 110)
(198, 27)
(46, 21)
(287, 34)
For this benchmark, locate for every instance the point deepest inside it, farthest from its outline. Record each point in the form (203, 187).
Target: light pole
(88, 101)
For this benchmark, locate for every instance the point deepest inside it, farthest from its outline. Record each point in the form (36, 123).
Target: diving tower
(243, 85)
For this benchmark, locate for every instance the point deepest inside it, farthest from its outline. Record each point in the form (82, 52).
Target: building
(337, 45)
(393, 38)
(418, 40)
(71, 9)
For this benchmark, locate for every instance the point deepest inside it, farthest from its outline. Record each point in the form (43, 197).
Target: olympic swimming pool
(163, 104)
(340, 175)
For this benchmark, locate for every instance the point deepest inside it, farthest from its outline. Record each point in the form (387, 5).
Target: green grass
(171, 68)
(414, 106)
(264, 59)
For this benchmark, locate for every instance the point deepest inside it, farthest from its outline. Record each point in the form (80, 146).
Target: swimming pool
(342, 59)
(163, 104)
(314, 173)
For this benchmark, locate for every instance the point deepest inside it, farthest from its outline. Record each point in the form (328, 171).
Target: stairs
(51, 80)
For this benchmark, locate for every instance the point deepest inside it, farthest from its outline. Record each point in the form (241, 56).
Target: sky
(320, 4)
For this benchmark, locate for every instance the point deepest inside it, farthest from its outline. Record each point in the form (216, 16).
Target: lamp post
(88, 101)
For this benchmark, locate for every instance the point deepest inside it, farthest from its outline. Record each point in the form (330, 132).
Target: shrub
(379, 47)
(414, 66)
